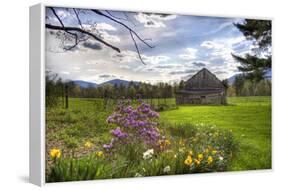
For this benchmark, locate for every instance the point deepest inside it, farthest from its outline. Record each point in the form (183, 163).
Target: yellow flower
(200, 157)
(55, 153)
(99, 153)
(197, 162)
(206, 150)
(167, 142)
(188, 160)
(214, 152)
(210, 160)
(164, 143)
(190, 152)
(88, 144)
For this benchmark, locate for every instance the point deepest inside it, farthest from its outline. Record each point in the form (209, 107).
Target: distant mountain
(85, 84)
(231, 79)
(267, 75)
(118, 82)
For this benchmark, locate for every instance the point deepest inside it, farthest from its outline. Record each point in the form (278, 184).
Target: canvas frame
(37, 88)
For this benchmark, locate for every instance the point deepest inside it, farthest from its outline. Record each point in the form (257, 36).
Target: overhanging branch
(67, 29)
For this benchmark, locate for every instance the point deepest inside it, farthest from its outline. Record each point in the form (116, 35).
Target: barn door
(203, 99)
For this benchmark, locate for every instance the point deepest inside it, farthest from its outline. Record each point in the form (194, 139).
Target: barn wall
(201, 99)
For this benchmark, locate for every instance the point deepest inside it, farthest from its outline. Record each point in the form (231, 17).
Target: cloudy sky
(183, 45)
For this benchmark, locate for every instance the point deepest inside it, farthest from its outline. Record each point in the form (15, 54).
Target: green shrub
(186, 149)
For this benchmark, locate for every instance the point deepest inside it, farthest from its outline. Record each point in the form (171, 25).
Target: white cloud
(65, 72)
(211, 45)
(155, 59)
(102, 30)
(189, 54)
(63, 14)
(221, 49)
(105, 26)
(124, 66)
(153, 20)
(108, 37)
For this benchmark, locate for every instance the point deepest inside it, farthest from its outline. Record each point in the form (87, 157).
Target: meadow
(194, 139)
(248, 117)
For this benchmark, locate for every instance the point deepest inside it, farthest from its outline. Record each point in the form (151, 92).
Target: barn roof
(203, 79)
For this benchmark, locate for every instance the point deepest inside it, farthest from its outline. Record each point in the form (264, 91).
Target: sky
(183, 45)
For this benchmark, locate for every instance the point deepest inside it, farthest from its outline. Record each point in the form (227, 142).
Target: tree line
(245, 87)
(116, 91)
(56, 90)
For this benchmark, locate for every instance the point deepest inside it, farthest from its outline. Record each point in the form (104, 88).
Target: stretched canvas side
(36, 94)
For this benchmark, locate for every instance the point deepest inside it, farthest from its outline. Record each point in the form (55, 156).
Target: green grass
(248, 117)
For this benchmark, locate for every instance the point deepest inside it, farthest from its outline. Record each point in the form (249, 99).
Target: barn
(202, 88)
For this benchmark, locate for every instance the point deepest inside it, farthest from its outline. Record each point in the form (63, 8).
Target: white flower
(148, 154)
(167, 169)
(138, 175)
(221, 158)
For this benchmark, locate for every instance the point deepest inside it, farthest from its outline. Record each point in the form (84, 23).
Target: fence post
(66, 96)
(62, 95)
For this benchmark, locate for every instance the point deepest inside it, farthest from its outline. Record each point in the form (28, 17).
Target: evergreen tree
(254, 64)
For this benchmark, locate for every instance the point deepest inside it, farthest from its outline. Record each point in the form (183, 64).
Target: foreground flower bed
(142, 146)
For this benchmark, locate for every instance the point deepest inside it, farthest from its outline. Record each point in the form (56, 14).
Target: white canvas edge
(37, 81)
(36, 95)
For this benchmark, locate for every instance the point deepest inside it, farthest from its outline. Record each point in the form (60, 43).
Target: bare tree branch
(131, 30)
(113, 16)
(65, 28)
(129, 19)
(73, 34)
(58, 18)
(74, 31)
(132, 33)
(137, 48)
(78, 19)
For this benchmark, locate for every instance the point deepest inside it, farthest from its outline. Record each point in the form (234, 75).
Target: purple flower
(133, 124)
(118, 133)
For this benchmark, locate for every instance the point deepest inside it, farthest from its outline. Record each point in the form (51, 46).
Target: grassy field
(248, 117)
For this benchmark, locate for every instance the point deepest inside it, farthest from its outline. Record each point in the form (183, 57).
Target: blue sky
(183, 45)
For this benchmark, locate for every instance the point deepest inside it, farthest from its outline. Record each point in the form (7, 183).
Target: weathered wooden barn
(202, 88)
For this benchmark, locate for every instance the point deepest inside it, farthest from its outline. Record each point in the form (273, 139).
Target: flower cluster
(55, 153)
(138, 123)
(99, 154)
(118, 133)
(164, 143)
(148, 154)
(88, 144)
(167, 169)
